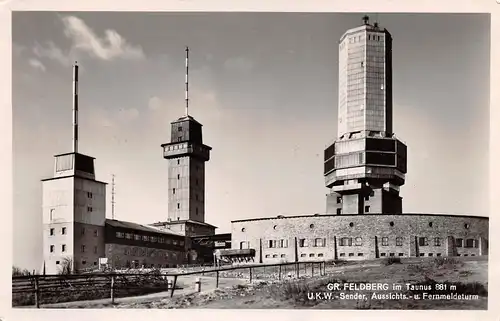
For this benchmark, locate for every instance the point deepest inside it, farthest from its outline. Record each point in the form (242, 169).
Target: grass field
(468, 276)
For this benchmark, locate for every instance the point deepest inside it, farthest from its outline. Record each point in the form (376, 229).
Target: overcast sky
(264, 86)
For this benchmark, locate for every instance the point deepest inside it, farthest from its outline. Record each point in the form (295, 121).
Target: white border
(6, 195)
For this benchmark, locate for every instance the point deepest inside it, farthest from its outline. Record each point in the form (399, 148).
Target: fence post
(37, 293)
(173, 286)
(198, 285)
(312, 269)
(279, 277)
(297, 267)
(250, 275)
(217, 280)
(112, 289)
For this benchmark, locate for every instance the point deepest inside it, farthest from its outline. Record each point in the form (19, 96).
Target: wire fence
(37, 290)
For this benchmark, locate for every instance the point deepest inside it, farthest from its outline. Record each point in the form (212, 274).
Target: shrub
(392, 260)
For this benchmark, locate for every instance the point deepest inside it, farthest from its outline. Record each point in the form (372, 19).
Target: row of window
(52, 231)
(146, 238)
(136, 251)
(301, 255)
(83, 248)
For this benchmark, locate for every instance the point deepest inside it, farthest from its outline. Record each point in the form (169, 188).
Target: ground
(470, 277)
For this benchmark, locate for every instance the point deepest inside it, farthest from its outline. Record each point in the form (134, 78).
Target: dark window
(360, 254)
(391, 254)
(339, 200)
(391, 223)
(437, 241)
(466, 225)
(351, 224)
(311, 255)
(431, 254)
(57, 262)
(83, 248)
(399, 241)
(380, 158)
(283, 255)
(178, 205)
(84, 262)
(51, 231)
(89, 194)
(178, 162)
(179, 128)
(63, 231)
(469, 243)
(51, 248)
(89, 209)
(459, 242)
(367, 197)
(367, 209)
(382, 254)
(302, 243)
(422, 254)
(422, 241)
(302, 255)
(401, 254)
(178, 176)
(342, 254)
(438, 254)
(382, 145)
(320, 255)
(63, 248)
(351, 254)
(385, 241)
(311, 226)
(173, 191)
(430, 224)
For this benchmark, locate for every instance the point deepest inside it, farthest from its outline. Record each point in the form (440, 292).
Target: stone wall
(360, 237)
(123, 256)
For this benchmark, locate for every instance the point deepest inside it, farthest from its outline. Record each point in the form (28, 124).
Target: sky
(264, 85)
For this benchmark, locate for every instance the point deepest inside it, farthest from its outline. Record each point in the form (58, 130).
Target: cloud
(51, 51)
(37, 64)
(111, 46)
(239, 64)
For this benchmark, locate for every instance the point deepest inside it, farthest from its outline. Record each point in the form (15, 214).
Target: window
(422, 254)
(385, 241)
(459, 242)
(89, 194)
(437, 241)
(83, 230)
(268, 256)
(63, 231)
(272, 243)
(391, 254)
(145, 238)
(430, 224)
(95, 249)
(399, 241)
(178, 176)
(178, 162)
(128, 236)
(358, 241)
(302, 243)
(95, 263)
(382, 254)
(351, 224)
(391, 223)
(339, 200)
(52, 214)
(311, 226)
(63, 248)
(466, 225)
(51, 231)
(319, 242)
(422, 241)
(119, 235)
(283, 243)
(275, 255)
(342, 254)
(161, 240)
(466, 254)
(179, 128)
(311, 255)
(83, 248)
(302, 255)
(469, 243)
(438, 254)
(339, 211)
(84, 262)
(430, 254)
(173, 191)
(401, 254)
(367, 197)
(178, 205)
(283, 255)
(275, 227)
(137, 237)
(154, 239)
(360, 254)
(174, 242)
(320, 254)
(89, 209)
(96, 233)
(351, 254)
(57, 262)
(243, 229)
(346, 241)
(52, 249)
(367, 209)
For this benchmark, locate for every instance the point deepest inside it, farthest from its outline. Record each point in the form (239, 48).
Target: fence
(46, 289)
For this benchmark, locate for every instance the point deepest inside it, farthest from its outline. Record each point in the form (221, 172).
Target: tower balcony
(180, 149)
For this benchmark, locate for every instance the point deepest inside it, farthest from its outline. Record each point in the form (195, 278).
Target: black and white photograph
(251, 160)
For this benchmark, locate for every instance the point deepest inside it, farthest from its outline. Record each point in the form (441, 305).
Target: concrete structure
(364, 169)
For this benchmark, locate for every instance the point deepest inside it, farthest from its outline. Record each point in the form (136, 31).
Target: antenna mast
(187, 81)
(113, 197)
(75, 108)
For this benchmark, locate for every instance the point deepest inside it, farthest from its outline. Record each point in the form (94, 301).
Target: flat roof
(343, 215)
(67, 176)
(140, 227)
(181, 222)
